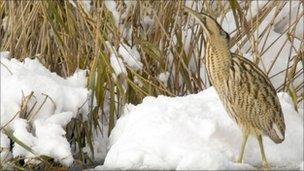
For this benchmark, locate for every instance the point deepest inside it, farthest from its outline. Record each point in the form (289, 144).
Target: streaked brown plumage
(246, 92)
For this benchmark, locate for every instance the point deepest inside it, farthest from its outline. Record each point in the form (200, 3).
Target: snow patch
(111, 6)
(163, 77)
(195, 132)
(117, 65)
(86, 4)
(130, 56)
(55, 101)
(5, 54)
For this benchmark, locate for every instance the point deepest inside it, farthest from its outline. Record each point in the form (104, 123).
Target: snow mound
(194, 132)
(55, 101)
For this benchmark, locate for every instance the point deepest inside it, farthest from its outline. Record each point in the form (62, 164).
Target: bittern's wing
(254, 93)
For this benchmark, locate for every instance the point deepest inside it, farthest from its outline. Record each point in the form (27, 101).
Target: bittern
(245, 91)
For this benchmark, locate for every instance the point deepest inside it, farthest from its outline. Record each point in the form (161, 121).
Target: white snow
(302, 166)
(50, 138)
(182, 133)
(5, 54)
(56, 101)
(163, 77)
(131, 56)
(147, 22)
(111, 6)
(99, 142)
(86, 4)
(117, 64)
(5, 145)
(285, 18)
(5, 24)
(194, 132)
(116, 61)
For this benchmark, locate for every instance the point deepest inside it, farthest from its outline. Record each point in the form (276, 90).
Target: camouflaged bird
(246, 92)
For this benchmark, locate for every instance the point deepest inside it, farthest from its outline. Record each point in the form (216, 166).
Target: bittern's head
(212, 31)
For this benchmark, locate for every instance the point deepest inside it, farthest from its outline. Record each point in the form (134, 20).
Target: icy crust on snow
(194, 132)
(60, 100)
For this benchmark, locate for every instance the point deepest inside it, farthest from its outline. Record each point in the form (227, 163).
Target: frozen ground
(194, 132)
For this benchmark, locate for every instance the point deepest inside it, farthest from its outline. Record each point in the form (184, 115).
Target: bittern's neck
(218, 60)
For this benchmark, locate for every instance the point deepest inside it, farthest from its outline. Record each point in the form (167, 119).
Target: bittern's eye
(224, 34)
(204, 20)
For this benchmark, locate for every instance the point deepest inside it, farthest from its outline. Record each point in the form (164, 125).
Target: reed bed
(67, 35)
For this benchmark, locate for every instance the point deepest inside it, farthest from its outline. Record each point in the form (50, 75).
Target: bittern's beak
(201, 18)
